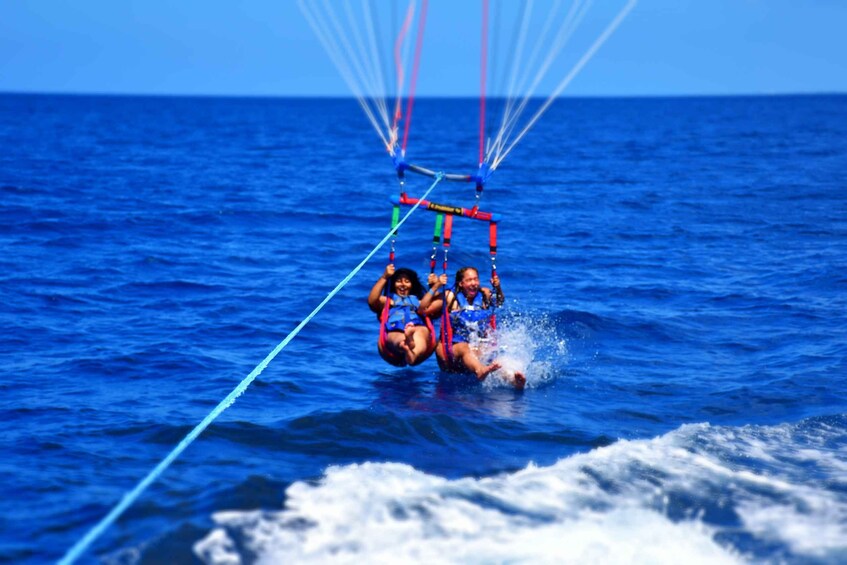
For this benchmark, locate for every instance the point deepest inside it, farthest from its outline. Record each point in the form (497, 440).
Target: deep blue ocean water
(675, 280)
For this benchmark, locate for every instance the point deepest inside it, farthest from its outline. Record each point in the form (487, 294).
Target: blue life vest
(403, 311)
(470, 318)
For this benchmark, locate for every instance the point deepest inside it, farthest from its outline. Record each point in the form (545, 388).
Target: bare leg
(409, 333)
(463, 353)
(395, 342)
(392, 349)
(419, 350)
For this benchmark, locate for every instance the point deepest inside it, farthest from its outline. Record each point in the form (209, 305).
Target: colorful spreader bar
(472, 213)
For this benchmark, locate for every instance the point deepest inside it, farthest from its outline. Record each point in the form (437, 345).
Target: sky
(266, 48)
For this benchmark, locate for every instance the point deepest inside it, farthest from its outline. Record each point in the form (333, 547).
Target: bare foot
(520, 380)
(409, 331)
(483, 372)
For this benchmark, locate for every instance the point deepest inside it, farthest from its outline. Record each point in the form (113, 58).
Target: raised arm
(376, 300)
(432, 301)
(495, 282)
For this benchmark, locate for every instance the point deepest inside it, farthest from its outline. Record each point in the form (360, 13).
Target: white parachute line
(354, 55)
(540, 41)
(380, 99)
(571, 22)
(509, 122)
(610, 29)
(341, 64)
(510, 92)
(510, 115)
(514, 83)
(333, 50)
(378, 62)
(331, 47)
(370, 76)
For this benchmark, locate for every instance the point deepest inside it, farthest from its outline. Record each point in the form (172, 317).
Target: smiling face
(402, 285)
(468, 282)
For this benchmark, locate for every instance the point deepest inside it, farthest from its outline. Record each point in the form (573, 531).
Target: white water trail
(692, 495)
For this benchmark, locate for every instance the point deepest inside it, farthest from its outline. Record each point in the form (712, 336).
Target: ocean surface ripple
(675, 281)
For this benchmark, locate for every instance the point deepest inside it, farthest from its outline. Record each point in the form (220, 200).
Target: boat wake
(700, 494)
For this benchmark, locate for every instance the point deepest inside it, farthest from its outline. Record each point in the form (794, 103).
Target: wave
(700, 493)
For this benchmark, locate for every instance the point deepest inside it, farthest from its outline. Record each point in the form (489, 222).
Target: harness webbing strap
(447, 334)
(448, 233)
(436, 236)
(492, 247)
(383, 333)
(386, 311)
(436, 239)
(395, 217)
(448, 230)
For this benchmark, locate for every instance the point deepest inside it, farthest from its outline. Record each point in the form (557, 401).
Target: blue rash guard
(470, 318)
(403, 311)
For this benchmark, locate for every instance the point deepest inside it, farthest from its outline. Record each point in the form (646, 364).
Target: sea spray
(526, 343)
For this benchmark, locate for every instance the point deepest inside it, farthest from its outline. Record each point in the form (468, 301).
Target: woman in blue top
(406, 335)
(469, 306)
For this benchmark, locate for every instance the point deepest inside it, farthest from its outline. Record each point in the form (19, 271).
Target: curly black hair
(417, 287)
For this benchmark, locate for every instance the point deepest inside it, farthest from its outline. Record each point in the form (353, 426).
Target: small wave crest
(698, 494)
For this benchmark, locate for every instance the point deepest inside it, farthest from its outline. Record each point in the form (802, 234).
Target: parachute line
(540, 36)
(336, 55)
(610, 29)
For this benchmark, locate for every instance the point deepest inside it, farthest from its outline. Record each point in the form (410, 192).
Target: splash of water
(526, 343)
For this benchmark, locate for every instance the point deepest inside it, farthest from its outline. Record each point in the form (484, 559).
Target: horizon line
(419, 96)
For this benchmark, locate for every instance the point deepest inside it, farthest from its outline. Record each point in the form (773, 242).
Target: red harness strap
(394, 358)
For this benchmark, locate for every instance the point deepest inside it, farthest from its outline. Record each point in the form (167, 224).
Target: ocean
(674, 271)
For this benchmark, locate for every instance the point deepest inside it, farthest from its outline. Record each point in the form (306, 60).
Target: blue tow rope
(130, 497)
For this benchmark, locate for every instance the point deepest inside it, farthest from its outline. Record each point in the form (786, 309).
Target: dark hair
(417, 287)
(460, 274)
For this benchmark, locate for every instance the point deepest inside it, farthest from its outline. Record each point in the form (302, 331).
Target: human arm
(376, 300)
(498, 290)
(432, 301)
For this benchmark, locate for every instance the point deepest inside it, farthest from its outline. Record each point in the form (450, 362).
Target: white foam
(380, 513)
(632, 502)
(529, 345)
(217, 547)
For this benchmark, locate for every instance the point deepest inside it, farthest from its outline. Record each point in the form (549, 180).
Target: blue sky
(265, 47)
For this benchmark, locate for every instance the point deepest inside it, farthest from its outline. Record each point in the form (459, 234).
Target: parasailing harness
(441, 241)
